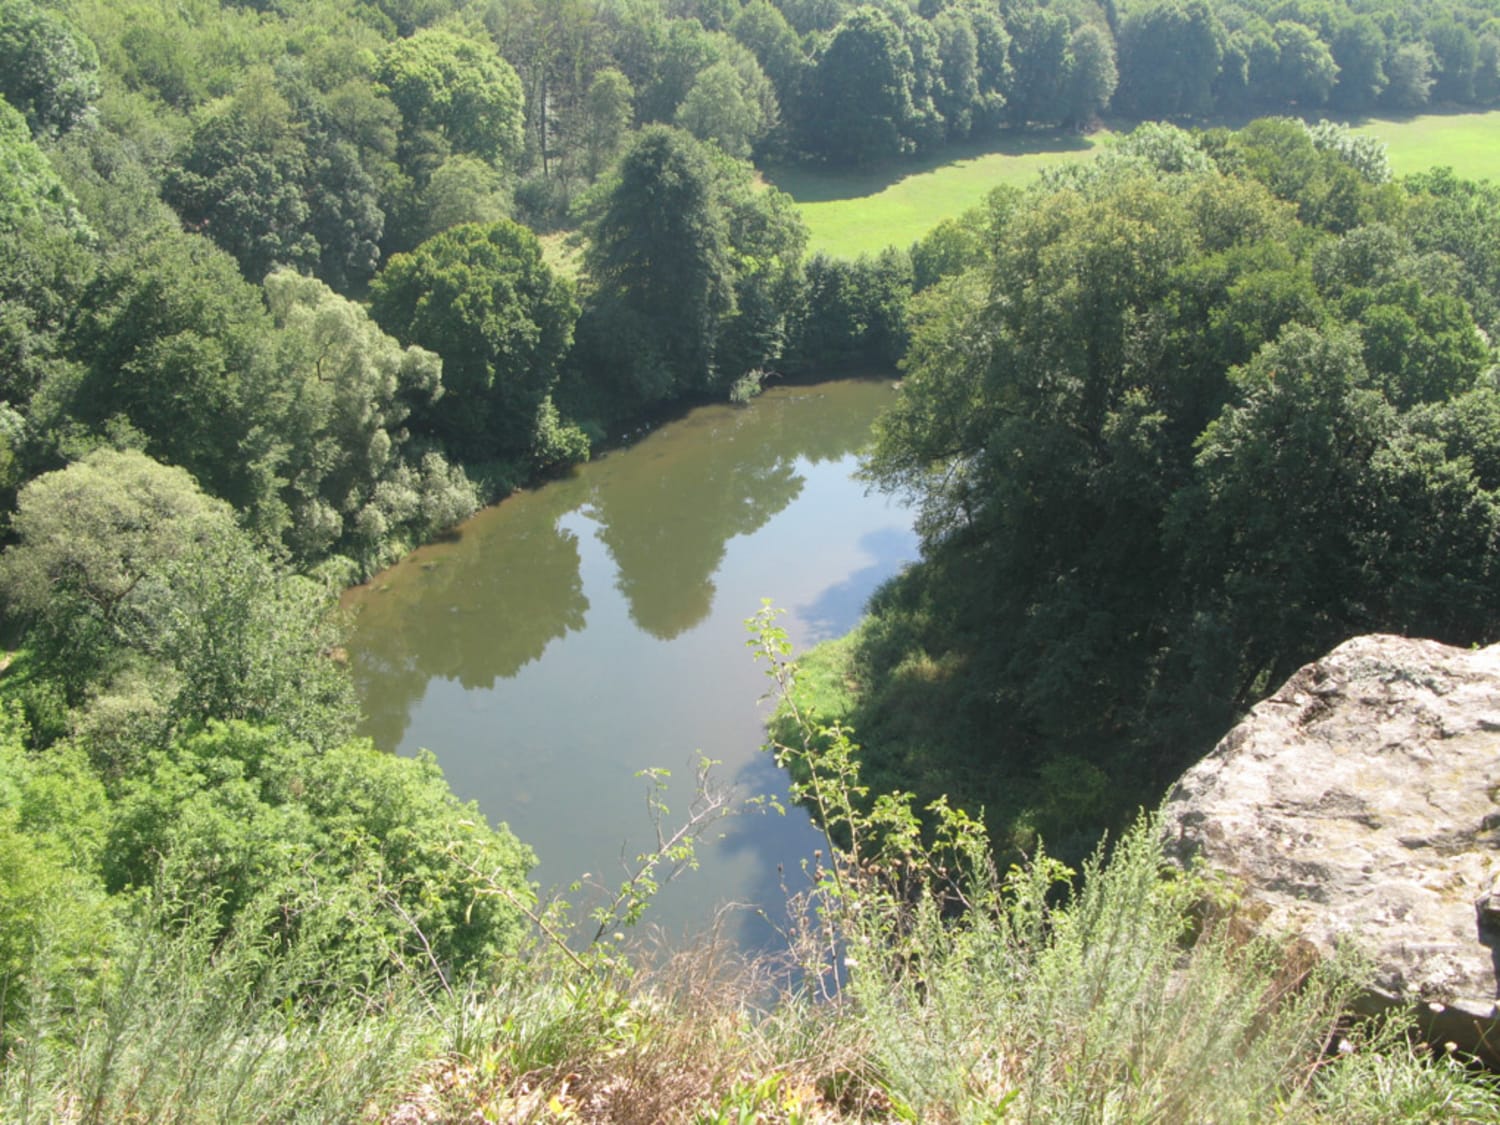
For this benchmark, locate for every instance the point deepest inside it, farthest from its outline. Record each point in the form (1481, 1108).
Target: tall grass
(190, 1026)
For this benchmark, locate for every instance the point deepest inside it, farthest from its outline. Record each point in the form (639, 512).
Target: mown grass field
(849, 213)
(1469, 143)
(853, 212)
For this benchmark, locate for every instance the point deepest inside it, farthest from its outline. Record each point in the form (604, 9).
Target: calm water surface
(574, 635)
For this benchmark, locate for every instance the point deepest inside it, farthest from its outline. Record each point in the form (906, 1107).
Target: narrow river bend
(571, 636)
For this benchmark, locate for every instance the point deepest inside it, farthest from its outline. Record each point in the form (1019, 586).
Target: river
(571, 636)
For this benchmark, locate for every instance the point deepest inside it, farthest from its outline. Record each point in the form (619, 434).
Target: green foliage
(659, 255)
(1448, 215)
(379, 842)
(193, 1024)
(1092, 74)
(731, 105)
(49, 70)
(57, 926)
(176, 343)
(762, 27)
(354, 484)
(462, 189)
(695, 273)
(283, 174)
(1038, 67)
(45, 261)
(30, 190)
(1170, 54)
(608, 108)
(1410, 71)
(483, 299)
(458, 86)
(854, 313)
(148, 600)
(557, 443)
(1169, 441)
(1334, 182)
(242, 181)
(862, 90)
(973, 990)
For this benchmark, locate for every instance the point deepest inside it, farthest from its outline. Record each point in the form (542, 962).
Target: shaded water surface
(571, 636)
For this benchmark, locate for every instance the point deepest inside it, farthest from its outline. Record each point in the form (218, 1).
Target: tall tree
(482, 298)
(732, 104)
(178, 345)
(46, 259)
(1091, 74)
(353, 485)
(697, 271)
(242, 181)
(1455, 49)
(659, 256)
(608, 109)
(1305, 69)
(1410, 72)
(132, 576)
(460, 87)
(862, 88)
(760, 26)
(1359, 50)
(1169, 57)
(1038, 67)
(49, 70)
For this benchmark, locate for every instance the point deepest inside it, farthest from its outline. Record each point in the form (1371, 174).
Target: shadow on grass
(815, 183)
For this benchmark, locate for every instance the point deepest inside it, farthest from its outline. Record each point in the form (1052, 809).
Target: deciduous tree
(482, 298)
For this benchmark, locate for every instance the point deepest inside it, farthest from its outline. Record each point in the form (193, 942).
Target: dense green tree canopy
(29, 186)
(239, 810)
(45, 261)
(730, 103)
(862, 91)
(696, 272)
(179, 346)
(147, 599)
(1170, 441)
(659, 252)
(1169, 57)
(353, 484)
(608, 109)
(458, 85)
(243, 182)
(49, 70)
(482, 298)
(1038, 67)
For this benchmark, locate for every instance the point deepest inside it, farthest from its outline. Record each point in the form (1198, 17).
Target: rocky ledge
(1363, 800)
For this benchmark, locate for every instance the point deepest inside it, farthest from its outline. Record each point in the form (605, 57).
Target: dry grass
(695, 1032)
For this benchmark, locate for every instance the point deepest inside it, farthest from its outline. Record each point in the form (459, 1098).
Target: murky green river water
(574, 635)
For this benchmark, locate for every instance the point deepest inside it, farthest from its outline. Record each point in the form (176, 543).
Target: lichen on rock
(1362, 801)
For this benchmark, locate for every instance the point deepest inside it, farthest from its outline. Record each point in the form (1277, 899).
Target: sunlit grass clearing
(853, 212)
(863, 211)
(1469, 143)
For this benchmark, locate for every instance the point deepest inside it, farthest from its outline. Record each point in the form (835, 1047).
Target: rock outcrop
(1363, 800)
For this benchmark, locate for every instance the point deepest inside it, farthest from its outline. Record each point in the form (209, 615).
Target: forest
(1177, 422)
(290, 287)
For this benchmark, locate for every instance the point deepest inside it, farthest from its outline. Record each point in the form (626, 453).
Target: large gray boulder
(1363, 800)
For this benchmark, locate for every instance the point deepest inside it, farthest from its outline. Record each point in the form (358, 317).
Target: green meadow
(863, 211)
(1469, 143)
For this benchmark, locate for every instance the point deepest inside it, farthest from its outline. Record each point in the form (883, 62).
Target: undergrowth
(920, 982)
